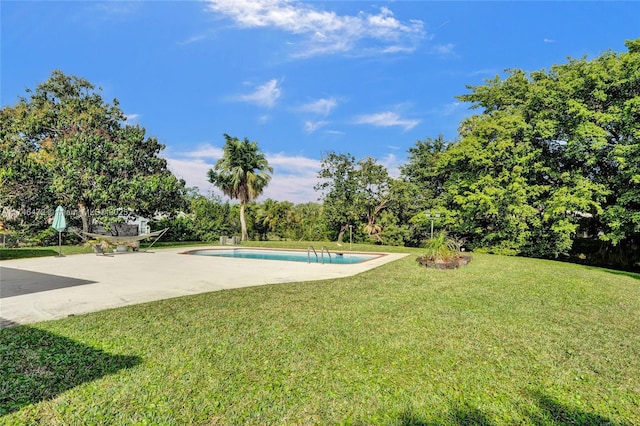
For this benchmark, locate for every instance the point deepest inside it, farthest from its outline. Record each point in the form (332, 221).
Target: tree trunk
(243, 224)
(343, 229)
(85, 216)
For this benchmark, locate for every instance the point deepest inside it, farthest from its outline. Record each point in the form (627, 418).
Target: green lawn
(503, 341)
(23, 253)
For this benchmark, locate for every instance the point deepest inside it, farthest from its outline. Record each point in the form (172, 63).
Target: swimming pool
(291, 255)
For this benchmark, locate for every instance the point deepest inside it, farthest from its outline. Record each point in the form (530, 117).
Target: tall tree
(373, 193)
(22, 171)
(548, 149)
(420, 186)
(353, 192)
(242, 173)
(339, 188)
(422, 163)
(84, 154)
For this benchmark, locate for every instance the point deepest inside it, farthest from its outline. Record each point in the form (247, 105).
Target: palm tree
(242, 173)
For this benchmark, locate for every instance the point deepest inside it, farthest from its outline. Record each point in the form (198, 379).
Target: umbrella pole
(59, 244)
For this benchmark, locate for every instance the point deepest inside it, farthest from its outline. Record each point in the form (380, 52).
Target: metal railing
(309, 249)
(322, 250)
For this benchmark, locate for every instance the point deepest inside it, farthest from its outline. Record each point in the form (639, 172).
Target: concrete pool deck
(40, 289)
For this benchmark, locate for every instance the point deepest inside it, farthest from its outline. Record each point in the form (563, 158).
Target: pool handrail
(309, 254)
(322, 250)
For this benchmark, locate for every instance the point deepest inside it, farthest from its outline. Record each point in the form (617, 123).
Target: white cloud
(451, 108)
(392, 164)
(321, 106)
(312, 126)
(192, 39)
(204, 151)
(293, 163)
(293, 179)
(193, 170)
(324, 32)
(549, 40)
(132, 118)
(397, 49)
(444, 49)
(386, 119)
(265, 95)
(264, 119)
(335, 132)
(115, 9)
(485, 71)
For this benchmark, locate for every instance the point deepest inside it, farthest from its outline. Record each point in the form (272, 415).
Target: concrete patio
(40, 289)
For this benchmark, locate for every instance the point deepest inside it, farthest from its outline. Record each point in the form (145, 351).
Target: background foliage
(548, 166)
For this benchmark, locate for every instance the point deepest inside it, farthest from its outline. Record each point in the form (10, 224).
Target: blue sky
(300, 78)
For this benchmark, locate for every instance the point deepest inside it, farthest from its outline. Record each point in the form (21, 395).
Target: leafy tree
(22, 174)
(402, 222)
(601, 126)
(353, 193)
(548, 149)
(67, 146)
(338, 184)
(419, 188)
(212, 218)
(309, 222)
(373, 194)
(422, 164)
(242, 173)
(274, 216)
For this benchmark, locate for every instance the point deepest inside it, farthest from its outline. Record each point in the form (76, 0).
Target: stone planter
(453, 263)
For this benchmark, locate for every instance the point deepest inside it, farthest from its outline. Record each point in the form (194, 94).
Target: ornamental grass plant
(443, 252)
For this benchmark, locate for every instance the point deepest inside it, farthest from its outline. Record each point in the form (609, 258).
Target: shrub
(443, 252)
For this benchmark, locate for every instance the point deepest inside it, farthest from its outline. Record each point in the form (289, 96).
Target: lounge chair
(97, 249)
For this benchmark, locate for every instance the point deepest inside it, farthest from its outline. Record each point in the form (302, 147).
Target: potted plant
(443, 252)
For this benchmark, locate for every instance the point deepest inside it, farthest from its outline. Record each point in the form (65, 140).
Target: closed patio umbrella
(59, 224)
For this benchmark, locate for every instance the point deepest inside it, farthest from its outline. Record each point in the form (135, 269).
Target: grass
(504, 340)
(24, 253)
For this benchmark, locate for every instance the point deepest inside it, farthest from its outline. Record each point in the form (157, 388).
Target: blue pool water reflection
(291, 255)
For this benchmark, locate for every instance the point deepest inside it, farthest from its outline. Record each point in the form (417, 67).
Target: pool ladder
(322, 250)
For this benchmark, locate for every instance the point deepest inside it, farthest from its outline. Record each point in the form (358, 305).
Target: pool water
(291, 255)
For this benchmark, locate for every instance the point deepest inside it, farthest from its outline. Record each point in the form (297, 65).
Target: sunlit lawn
(67, 250)
(503, 341)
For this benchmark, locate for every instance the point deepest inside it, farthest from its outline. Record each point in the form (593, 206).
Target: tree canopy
(549, 152)
(353, 192)
(63, 144)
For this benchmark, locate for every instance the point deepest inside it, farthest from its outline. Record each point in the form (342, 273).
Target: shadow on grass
(460, 415)
(36, 365)
(557, 413)
(635, 275)
(552, 413)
